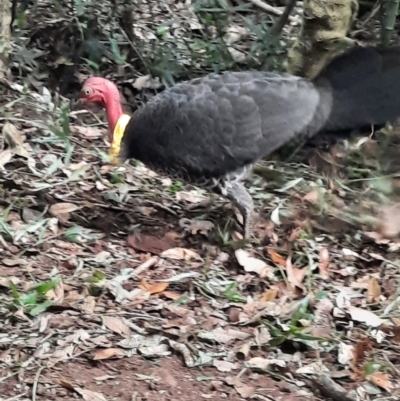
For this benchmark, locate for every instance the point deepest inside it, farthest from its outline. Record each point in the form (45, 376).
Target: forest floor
(120, 284)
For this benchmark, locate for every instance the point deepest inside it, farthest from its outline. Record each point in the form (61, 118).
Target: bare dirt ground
(119, 284)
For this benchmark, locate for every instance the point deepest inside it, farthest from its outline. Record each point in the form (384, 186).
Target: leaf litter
(118, 274)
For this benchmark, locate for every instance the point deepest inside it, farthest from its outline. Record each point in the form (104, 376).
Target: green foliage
(231, 292)
(34, 302)
(90, 38)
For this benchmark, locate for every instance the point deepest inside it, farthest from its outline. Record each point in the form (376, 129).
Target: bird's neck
(114, 110)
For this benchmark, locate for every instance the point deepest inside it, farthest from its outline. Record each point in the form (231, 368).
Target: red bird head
(98, 90)
(104, 93)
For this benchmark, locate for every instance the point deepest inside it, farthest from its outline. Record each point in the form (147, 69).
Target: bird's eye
(87, 92)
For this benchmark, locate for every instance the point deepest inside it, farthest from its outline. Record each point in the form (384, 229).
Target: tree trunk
(5, 36)
(390, 9)
(322, 36)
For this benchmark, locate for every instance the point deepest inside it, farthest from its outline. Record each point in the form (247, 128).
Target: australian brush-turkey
(210, 131)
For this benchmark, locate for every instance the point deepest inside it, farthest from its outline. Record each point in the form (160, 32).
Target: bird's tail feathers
(365, 84)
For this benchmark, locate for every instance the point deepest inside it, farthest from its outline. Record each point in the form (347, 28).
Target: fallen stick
(271, 9)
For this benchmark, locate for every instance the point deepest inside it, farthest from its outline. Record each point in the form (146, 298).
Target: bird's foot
(248, 223)
(238, 193)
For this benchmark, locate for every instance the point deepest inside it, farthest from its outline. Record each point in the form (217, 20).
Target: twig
(144, 266)
(15, 397)
(270, 9)
(331, 389)
(166, 208)
(35, 383)
(283, 19)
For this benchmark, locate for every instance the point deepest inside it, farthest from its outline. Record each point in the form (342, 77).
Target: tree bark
(323, 35)
(5, 37)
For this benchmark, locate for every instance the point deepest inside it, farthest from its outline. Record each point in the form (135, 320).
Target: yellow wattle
(118, 134)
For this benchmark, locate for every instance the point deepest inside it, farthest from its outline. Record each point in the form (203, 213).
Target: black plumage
(211, 130)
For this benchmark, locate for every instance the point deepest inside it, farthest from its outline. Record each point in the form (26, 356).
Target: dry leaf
(152, 288)
(321, 326)
(365, 316)
(180, 254)
(167, 378)
(269, 295)
(295, 276)
(14, 262)
(276, 258)
(62, 208)
(323, 262)
(58, 293)
(12, 135)
(190, 197)
(389, 221)
(116, 325)
(5, 157)
(77, 166)
(148, 243)
(63, 383)
(346, 353)
(87, 132)
(13, 138)
(171, 295)
(251, 264)
(88, 395)
(195, 226)
(381, 380)
(107, 353)
(226, 335)
(89, 305)
(243, 390)
(224, 366)
(374, 290)
(264, 363)
(311, 196)
(146, 81)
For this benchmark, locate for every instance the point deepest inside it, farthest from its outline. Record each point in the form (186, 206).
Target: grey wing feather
(214, 125)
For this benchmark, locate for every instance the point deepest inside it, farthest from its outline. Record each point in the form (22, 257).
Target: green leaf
(92, 64)
(119, 58)
(99, 275)
(14, 290)
(44, 288)
(39, 308)
(28, 299)
(320, 295)
(161, 30)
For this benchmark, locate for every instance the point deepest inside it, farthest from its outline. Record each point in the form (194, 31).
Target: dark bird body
(211, 130)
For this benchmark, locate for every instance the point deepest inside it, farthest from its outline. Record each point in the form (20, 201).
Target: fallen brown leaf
(381, 380)
(180, 254)
(107, 353)
(269, 295)
(152, 288)
(295, 275)
(5, 157)
(89, 395)
(171, 295)
(148, 243)
(276, 258)
(62, 208)
(252, 264)
(311, 196)
(374, 290)
(116, 325)
(323, 262)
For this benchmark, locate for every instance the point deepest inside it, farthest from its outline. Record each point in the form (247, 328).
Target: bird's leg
(238, 194)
